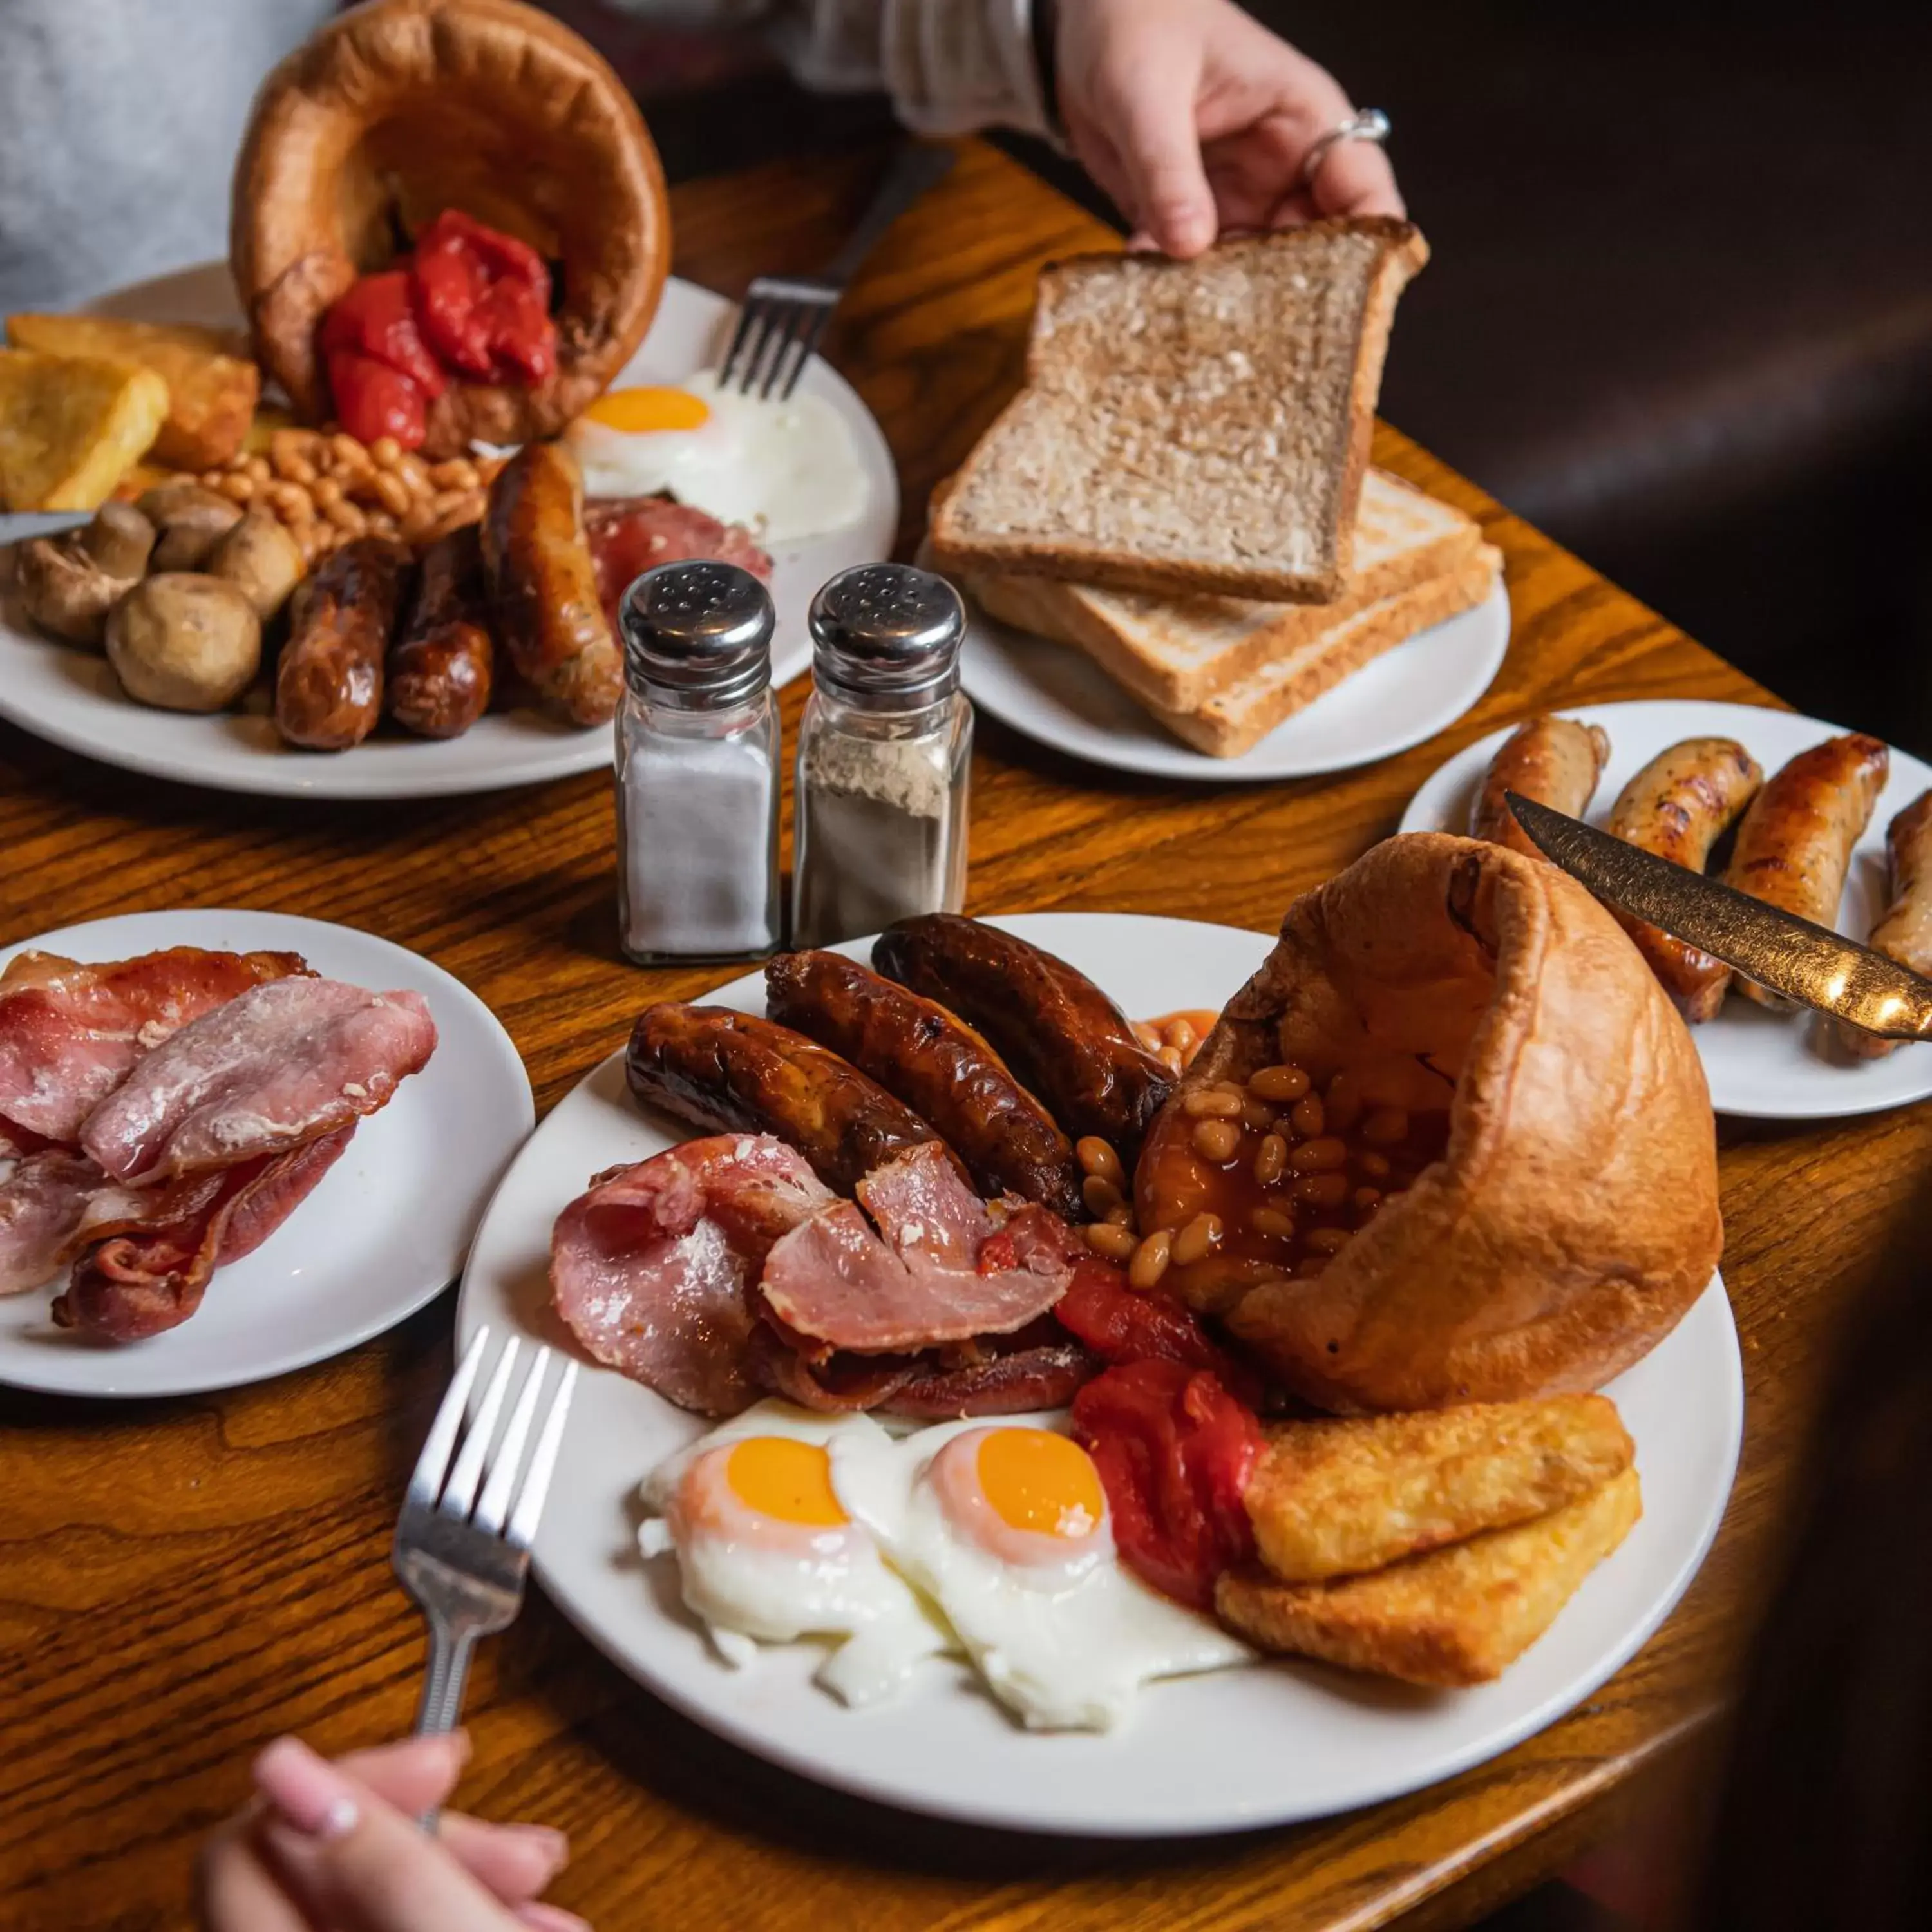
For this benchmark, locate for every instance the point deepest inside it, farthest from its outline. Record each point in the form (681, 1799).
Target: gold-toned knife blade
(1792, 956)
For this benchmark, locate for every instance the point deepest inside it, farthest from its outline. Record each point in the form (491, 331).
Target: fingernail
(551, 1918)
(308, 1791)
(553, 1845)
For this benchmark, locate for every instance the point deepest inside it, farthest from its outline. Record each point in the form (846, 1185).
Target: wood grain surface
(180, 1581)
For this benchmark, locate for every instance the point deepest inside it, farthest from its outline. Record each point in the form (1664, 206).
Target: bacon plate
(69, 1032)
(281, 1064)
(631, 534)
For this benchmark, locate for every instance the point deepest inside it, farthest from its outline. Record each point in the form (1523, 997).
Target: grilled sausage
(1678, 806)
(1554, 761)
(1795, 843)
(328, 685)
(732, 1073)
(938, 1066)
(1063, 1039)
(543, 585)
(1904, 929)
(443, 664)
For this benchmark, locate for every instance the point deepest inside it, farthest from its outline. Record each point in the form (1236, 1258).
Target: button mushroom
(261, 559)
(185, 642)
(192, 519)
(68, 584)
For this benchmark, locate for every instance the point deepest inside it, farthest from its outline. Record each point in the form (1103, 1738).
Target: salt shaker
(697, 768)
(884, 755)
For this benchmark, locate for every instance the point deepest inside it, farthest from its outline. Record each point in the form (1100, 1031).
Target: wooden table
(181, 1580)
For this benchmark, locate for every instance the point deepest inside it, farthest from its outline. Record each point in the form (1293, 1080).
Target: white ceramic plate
(386, 1230)
(1059, 696)
(1760, 1065)
(1263, 1746)
(70, 697)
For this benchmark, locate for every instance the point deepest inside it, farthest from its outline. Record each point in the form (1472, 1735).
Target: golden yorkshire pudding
(401, 108)
(1562, 1213)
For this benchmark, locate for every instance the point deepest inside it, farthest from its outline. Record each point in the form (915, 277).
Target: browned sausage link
(543, 585)
(1552, 761)
(443, 664)
(1063, 1039)
(938, 1066)
(1904, 929)
(1794, 845)
(1678, 806)
(328, 685)
(731, 1073)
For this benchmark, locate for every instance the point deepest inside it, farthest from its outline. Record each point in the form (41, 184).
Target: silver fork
(463, 1560)
(784, 316)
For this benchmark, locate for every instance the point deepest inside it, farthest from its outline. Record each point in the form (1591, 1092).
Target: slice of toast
(71, 426)
(212, 385)
(1456, 1616)
(1177, 653)
(1334, 1498)
(1190, 427)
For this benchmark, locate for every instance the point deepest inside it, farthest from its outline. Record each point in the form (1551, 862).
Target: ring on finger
(1369, 124)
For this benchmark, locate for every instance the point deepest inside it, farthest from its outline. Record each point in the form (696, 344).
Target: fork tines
(779, 328)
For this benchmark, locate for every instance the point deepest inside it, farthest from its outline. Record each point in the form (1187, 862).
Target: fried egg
(786, 470)
(1005, 1527)
(767, 1553)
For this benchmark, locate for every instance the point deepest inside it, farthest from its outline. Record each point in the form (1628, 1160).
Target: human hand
(1195, 118)
(335, 1847)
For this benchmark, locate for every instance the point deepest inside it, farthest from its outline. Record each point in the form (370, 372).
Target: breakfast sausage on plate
(1552, 761)
(328, 685)
(543, 584)
(1678, 806)
(1904, 929)
(730, 1072)
(443, 664)
(1063, 1039)
(937, 1064)
(1795, 843)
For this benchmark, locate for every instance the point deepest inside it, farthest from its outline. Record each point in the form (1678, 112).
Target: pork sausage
(1904, 929)
(1553, 761)
(543, 586)
(938, 1066)
(1795, 843)
(328, 685)
(730, 1073)
(1063, 1038)
(443, 664)
(1678, 806)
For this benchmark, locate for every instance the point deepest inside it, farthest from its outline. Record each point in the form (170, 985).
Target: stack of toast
(1182, 491)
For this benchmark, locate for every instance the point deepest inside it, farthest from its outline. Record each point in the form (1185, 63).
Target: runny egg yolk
(1037, 1481)
(786, 1480)
(640, 411)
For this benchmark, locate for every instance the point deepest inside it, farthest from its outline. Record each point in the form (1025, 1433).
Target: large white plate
(70, 697)
(1248, 1747)
(386, 1230)
(1060, 697)
(1760, 1064)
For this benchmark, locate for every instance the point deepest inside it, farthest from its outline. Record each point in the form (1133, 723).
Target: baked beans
(1112, 1244)
(1180, 1034)
(1100, 1194)
(1150, 1260)
(1097, 1156)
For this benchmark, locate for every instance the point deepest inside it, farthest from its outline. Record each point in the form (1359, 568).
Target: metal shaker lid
(887, 636)
(697, 634)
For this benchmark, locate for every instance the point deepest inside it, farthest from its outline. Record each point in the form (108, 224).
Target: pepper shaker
(884, 756)
(697, 768)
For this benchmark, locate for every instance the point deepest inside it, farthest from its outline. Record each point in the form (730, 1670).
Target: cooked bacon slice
(834, 1386)
(134, 1285)
(281, 1064)
(1047, 1375)
(629, 536)
(69, 1032)
(650, 1268)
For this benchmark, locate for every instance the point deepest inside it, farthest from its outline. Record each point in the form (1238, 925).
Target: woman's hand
(337, 1846)
(1195, 118)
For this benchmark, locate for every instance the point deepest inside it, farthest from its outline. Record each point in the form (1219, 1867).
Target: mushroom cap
(1574, 1216)
(399, 108)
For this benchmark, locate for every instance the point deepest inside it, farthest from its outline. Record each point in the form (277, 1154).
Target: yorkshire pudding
(402, 108)
(1572, 1218)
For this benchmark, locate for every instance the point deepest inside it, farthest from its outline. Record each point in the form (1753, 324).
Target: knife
(1792, 956)
(18, 524)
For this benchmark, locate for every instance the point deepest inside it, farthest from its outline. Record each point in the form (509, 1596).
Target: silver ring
(1371, 123)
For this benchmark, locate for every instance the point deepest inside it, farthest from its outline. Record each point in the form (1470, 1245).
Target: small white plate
(70, 697)
(1761, 1065)
(1264, 1746)
(1060, 696)
(386, 1228)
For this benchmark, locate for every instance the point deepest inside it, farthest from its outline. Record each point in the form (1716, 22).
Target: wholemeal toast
(1334, 1498)
(1191, 427)
(1456, 1616)
(71, 426)
(1175, 653)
